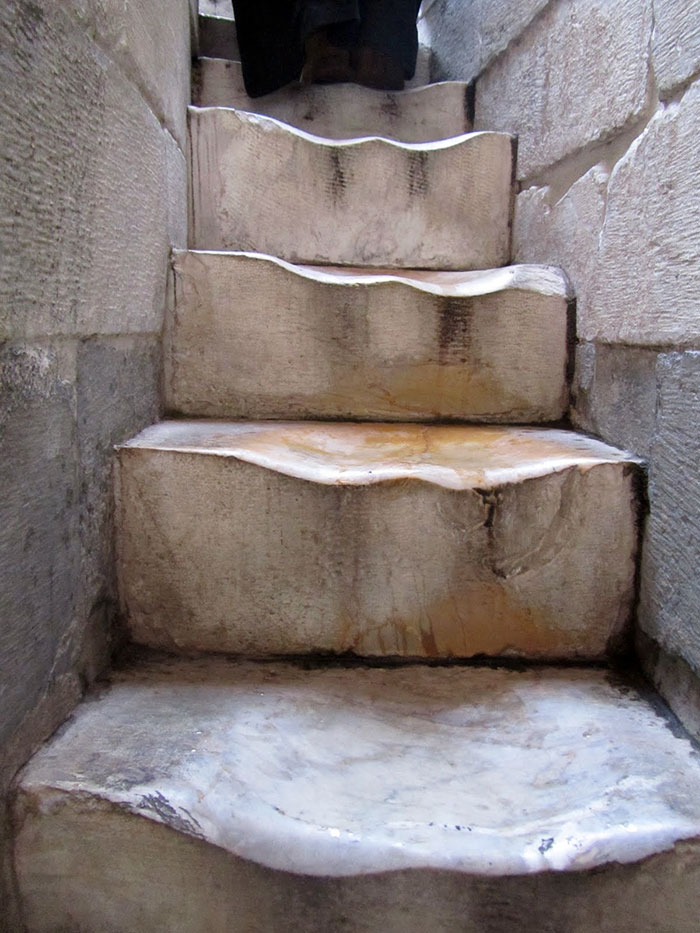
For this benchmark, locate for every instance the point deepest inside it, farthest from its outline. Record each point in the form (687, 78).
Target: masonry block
(564, 228)
(39, 521)
(151, 44)
(376, 539)
(228, 797)
(118, 387)
(577, 75)
(251, 336)
(645, 289)
(670, 585)
(676, 42)
(263, 186)
(466, 37)
(615, 394)
(84, 220)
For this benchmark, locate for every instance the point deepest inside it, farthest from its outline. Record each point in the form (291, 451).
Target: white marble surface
(343, 772)
(451, 456)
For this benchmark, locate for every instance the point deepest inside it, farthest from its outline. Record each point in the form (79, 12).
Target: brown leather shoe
(325, 63)
(377, 69)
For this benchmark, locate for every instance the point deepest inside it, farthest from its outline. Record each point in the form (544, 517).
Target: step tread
(532, 277)
(342, 772)
(238, 116)
(452, 456)
(434, 111)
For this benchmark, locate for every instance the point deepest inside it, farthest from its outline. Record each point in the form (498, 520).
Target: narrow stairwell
(377, 590)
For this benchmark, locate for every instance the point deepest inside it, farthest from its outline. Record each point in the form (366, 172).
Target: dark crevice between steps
(134, 655)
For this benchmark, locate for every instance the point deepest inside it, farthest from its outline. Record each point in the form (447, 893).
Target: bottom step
(215, 796)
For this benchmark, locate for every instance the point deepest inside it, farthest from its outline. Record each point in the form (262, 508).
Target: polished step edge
(342, 111)
(375, 539)
(251, 336)
(263, 186)
(210, 795)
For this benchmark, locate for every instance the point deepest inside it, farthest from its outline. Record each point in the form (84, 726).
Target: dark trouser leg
(341, 18)
(389, 26)
(268, 37)
(328, 30)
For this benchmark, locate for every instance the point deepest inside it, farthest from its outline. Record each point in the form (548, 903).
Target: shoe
(377, 69)
(325, 63)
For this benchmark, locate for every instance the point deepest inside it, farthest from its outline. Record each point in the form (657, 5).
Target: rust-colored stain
(431, 389)
(480, 618)
(466, 447)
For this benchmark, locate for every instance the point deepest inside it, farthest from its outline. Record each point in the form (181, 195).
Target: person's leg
(329, 29)
(268, 38)
(388, 43)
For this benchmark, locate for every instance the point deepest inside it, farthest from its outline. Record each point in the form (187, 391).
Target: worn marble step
(375, 539)
(263, 186)
(251, 336)
(193, 796)
(342, 111)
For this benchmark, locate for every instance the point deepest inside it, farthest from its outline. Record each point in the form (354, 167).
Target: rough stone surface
(564, 229)
(118, 382)
(39, 521)
(150, 42)
(263, 186)
(675, 680)
(576, 76)
(670, 584)
(71, 264)
(466, 37)
(646, 286)
(426, 541)
(254, 337)
(92, 194)
(284, 798)
(342, 111)
(676, 42)
(615, 394)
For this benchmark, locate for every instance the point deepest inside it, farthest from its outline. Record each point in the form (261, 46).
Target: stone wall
(605, 98)
(92, 197)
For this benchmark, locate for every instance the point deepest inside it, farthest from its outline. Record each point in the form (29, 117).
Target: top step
(342, 111)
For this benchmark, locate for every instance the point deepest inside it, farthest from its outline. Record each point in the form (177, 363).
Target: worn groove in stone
(255, 337)
(342, 111)
(514, 541)
(347, 772)
(262, 186)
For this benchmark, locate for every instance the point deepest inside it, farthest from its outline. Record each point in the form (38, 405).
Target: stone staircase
(381, 489)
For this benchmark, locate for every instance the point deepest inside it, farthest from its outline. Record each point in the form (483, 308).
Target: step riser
(250, 338)
(341, 111)
(221, 555)
(218, 38)
(260, 186)
(80, 868)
